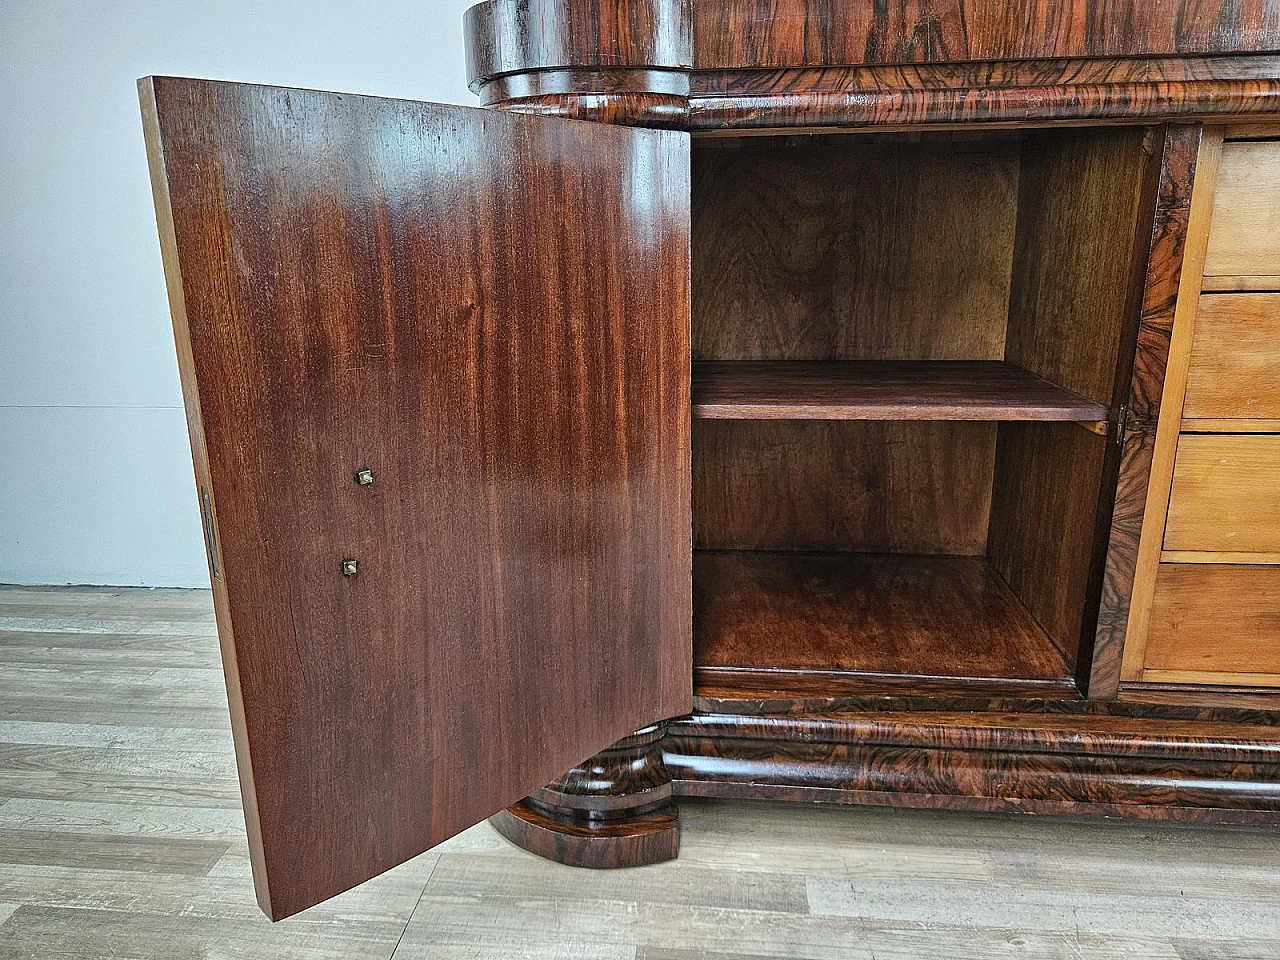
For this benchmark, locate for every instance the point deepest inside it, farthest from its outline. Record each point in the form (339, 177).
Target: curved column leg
(613, 810)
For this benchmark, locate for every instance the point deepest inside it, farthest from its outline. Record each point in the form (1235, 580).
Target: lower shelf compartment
(826, 615)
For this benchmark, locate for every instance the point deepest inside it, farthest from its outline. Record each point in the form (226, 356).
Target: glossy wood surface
(1244, 239)
(757, 612)
(1164, 439)
(509, 36)
(612, 810)
(997, 93)
(873, 486)
(1226, 494)
(788, 241)
(448, 297)
(629, 97)
(868, 390)
(1222, 619)
(813, 32)
(808, 63)
(1235, 365)
(1027, 762)
(1159, 258)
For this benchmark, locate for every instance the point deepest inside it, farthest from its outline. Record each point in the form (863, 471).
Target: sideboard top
(506, 36)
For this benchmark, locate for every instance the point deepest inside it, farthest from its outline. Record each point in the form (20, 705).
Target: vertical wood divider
(1175, 387)
(1179, 151)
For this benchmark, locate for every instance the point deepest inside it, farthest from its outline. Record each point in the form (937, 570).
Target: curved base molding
(1140, 767)
(613, 810)
(602, 844)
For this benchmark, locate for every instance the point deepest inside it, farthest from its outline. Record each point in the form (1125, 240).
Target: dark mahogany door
(485, 314)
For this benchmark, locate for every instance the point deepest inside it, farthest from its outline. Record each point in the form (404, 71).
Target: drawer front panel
(1235, 358)
(1216, 618)
(1244, 234)
(1226, 494)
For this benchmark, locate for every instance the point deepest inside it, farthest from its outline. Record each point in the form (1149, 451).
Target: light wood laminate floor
(121, 836)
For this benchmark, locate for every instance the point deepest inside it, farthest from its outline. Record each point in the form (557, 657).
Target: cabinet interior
(906, 349)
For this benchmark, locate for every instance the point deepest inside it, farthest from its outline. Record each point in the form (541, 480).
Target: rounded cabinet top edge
(512, 36)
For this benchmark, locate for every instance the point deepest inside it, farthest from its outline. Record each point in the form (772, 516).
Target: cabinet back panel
(871, 486)
(840, 248)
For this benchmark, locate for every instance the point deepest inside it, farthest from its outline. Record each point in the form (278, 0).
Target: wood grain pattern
(867, 390)
(509, 36)
(1259, 703)
(1227, 284)
(1252, 130)
(875, 486)
(1235, 366)
(647, 838)
(1221, 619)
(993, 93)
(1245, 237)
(83, 876)
(1084, 195)
(812, 32)
(377, 283)
(93, 877)
(1217, 556)
(1029, 763)
(630, 97)
(1044, 519)
(863, 613)
(1071, 318)
(842, 248)
(1260, 684)
(1201, 425)
(612, 810)
(1225, 494)
(1164, 441)
(1171, 210)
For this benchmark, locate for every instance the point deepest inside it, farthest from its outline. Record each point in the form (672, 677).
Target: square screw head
(350, 568)
(364, 477)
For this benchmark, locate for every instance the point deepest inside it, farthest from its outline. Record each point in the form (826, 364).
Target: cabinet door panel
(488, 313)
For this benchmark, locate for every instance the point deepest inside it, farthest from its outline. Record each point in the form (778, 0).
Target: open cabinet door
(486, 316)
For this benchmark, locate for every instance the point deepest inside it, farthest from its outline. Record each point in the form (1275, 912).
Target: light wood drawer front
(1217, 619)
(1235, 358)
(1244, 235)
(1226, 494)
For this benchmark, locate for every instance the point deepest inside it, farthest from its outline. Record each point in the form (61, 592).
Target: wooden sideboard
(866, 404)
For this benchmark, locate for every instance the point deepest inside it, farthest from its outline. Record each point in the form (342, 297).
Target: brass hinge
(210, 532)
(1122, 419)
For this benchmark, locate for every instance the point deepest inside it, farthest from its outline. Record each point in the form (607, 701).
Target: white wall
(96, 484)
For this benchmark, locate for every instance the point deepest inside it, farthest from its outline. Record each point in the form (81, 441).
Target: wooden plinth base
(613, 810)
(650, 838)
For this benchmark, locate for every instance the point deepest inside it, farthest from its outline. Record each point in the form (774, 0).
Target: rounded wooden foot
(614, 810)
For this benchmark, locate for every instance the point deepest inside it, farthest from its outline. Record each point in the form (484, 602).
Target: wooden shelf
(758, 613)
(872, 390)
